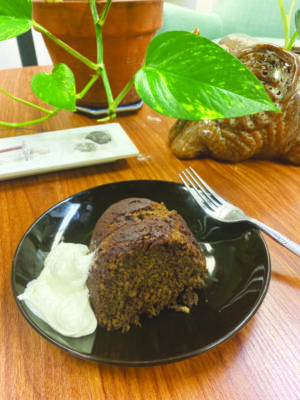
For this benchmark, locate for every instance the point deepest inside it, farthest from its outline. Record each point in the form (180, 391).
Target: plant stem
(107, 87)
(105, 12)
(28, 103)
(88, 86)
(113, 106)
(104, 119)
(286, 21)
(97, 31)
(291, 42)
(66, 47)
(50, 113)
(289, 17)
(291, 11)
(98, 22)
(94, 11)
(34, 121)
(120, 97)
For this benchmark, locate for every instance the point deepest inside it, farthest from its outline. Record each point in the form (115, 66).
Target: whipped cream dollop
(59, 295)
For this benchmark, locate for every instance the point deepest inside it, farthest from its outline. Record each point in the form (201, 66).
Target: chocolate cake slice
(145, 259)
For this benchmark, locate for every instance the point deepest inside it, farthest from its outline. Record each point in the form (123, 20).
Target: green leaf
(189, 77)
(57, 89)
(297, 20)
(15, 17)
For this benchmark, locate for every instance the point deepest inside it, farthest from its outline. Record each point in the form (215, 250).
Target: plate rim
(127, 363)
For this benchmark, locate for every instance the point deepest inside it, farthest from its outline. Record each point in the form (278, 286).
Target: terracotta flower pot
(129, 27)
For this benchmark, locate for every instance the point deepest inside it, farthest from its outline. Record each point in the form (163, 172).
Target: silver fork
(222, 210)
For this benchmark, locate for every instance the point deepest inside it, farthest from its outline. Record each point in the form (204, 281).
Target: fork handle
(283, 240)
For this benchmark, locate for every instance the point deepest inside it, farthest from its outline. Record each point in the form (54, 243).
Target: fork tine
(198, 193)
(205, 194)
(195, 193)
(213, 195)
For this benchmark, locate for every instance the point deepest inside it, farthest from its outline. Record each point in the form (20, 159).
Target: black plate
(239, 273)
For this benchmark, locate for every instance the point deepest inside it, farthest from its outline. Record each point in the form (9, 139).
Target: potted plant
(129, 27)
(184, 75)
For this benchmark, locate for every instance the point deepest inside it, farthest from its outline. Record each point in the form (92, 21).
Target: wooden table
(260, 362)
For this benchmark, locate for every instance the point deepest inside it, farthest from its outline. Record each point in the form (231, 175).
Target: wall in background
(199, 5)
(9, 54)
